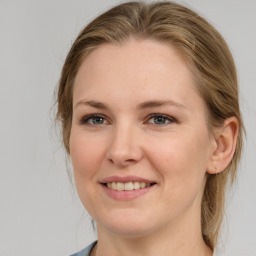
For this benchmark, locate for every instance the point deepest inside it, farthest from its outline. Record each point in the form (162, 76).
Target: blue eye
(93, 120)
(160, 119)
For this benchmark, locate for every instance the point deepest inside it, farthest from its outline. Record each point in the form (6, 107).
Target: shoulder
(86, 251)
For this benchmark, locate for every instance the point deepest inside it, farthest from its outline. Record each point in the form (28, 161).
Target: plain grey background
(40, 213)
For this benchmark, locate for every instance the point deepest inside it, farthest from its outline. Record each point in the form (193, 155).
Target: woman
(148, 102)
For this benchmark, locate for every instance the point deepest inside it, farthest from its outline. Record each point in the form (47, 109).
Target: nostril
(121, 161)
(130, 160)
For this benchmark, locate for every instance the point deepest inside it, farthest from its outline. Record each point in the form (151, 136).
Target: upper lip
(125, 179)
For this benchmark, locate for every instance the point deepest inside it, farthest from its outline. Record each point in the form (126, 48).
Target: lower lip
(126, 195)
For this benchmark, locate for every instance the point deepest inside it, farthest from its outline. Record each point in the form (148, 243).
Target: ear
(224, 144)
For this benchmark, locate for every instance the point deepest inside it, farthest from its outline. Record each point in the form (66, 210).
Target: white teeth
(136, 185)
(114, 185)
(128, 186)
(119, 186)
(142, 184)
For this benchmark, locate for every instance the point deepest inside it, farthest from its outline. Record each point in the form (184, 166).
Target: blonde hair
(208, 57)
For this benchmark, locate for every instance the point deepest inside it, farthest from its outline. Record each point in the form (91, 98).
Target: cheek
(181, 160)
(85, 152)
(181, 166)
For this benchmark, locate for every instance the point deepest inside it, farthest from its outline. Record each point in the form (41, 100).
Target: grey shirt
(86, 251)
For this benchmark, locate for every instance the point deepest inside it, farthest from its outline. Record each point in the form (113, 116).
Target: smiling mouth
(128, 186)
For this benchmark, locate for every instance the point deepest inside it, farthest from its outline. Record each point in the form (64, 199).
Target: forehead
(135, 69)
(136, 53)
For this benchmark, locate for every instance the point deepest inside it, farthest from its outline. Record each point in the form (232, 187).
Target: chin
(128, 226)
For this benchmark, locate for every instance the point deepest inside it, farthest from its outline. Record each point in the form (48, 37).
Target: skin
(175, 153)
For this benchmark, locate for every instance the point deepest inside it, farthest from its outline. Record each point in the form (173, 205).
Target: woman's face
(139, 141)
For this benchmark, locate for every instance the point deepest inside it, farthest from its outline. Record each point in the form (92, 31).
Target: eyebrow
(92, 103)
(141, 106)
(159, 103)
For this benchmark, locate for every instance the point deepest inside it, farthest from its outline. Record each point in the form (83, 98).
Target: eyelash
(85, 120)
(167, 118)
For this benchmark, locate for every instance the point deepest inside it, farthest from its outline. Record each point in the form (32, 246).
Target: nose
(124, 147)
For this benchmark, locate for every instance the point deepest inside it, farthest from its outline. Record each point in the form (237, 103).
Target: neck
(172, 239)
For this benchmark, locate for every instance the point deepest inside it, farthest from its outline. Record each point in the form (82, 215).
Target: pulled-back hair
(208, 57)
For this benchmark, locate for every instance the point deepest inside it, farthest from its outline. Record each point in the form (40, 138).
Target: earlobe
(224, 146)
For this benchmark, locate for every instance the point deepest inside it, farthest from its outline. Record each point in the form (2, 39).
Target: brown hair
(208, 57)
